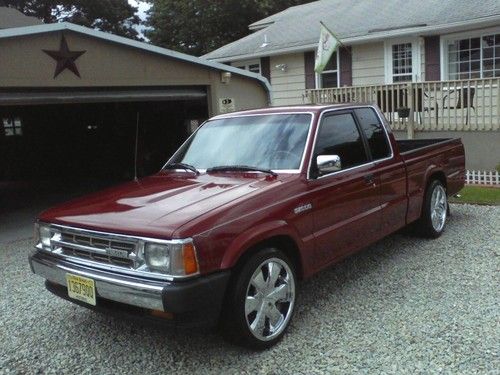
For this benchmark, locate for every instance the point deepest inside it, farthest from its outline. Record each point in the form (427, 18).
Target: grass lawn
(478, 195)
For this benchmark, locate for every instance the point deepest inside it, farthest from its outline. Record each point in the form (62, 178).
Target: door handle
(369, 179)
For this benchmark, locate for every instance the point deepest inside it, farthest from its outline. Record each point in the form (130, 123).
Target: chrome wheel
(270, 299)
(439, 207)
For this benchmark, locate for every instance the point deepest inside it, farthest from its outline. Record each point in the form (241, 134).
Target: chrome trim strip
(223, 117)
(308, 177)
(439, 143)
(146, 294)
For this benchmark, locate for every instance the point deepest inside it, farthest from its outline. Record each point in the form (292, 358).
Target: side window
(374, 132)
(338, 135)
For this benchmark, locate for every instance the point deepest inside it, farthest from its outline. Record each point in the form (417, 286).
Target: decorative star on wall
(65, 58)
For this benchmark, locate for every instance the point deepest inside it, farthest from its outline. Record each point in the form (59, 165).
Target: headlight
(157, 257)
(43, 234)
(175, 258)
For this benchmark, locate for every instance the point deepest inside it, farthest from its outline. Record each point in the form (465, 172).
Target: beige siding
(106, 64)
(288, 86)
(368, 64)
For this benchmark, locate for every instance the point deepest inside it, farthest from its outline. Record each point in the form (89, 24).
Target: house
(73, 99)
(438, 59)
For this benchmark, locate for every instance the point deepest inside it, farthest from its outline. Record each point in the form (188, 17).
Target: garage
(81, 141)
(76, 104)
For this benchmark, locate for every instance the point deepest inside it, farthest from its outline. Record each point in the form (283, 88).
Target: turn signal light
(189, 255)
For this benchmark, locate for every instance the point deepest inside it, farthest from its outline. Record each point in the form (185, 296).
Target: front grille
(96, 247)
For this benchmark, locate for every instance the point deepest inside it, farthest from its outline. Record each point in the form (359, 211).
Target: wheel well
(437, 176)
(284, 243)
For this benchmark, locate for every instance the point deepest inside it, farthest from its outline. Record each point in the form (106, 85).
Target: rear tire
(434, 211)
(261, 301)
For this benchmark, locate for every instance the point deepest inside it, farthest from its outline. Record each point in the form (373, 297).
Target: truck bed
(410, 145)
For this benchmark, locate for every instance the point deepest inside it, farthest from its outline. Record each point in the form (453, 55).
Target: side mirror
(328, 163)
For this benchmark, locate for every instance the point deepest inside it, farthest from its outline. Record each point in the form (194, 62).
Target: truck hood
(157, 205)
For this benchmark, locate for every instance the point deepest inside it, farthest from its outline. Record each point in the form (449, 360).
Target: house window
(252, 66)
(330, 75)
(402, 62)
(12, 126)
(477, 57)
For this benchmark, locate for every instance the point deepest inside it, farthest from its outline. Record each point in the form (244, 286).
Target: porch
(460, 105)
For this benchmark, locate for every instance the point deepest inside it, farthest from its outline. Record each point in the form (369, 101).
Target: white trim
(416, 64)
(445, 39)
(318, 82)
(52, 27)
(488, 21)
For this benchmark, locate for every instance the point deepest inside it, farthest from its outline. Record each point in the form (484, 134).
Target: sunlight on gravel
(404, 305)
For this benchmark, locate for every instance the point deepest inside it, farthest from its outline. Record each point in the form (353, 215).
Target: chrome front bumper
(197, 301)
(111, 286)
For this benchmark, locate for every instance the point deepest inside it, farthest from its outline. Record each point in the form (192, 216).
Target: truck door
(345, 203)
(389, 171)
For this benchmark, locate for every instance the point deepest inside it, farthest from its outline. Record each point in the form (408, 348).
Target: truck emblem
(302, 208)
(117, 253)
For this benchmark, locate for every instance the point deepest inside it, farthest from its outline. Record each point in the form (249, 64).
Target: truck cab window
(374, 132)
(339, 135)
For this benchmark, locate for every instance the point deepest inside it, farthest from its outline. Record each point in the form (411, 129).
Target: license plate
(81, 288)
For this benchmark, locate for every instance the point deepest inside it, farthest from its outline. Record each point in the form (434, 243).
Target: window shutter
(309, 70)
(432, 58)
(265, 67)
(345, 68)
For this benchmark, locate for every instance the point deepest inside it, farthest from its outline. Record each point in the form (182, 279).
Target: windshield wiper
(181, 166)
(243, 168)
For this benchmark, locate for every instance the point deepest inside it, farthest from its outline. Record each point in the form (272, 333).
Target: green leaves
(115, 16)
(197, 27)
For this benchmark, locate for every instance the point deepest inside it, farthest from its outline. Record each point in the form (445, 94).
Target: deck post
(410, 124)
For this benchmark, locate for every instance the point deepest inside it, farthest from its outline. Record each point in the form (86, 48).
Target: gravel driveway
(404, 305)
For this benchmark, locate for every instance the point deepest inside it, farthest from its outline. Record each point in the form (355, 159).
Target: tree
(114, 16)
(197, 27)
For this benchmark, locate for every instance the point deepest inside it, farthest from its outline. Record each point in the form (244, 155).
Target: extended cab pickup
(251, 203)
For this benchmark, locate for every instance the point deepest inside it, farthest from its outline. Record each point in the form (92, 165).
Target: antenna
(136, 146)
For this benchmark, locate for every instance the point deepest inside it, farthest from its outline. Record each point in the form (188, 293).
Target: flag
(328, 43)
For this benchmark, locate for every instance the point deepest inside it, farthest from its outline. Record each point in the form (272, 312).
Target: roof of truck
(305, 108)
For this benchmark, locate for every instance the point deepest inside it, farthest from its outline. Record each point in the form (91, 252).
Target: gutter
(375, 37)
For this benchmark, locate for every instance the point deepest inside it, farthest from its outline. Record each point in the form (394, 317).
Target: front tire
(434, 210)
(261, 302)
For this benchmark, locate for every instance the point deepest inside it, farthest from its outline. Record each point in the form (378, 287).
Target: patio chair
(430, 108)
(464, 94)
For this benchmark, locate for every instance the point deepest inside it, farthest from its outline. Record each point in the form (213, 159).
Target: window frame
(444, 40)
(416, 63)
(245, 65)
(17, 130)
(318, 80)
(386, 138)
(310, 177)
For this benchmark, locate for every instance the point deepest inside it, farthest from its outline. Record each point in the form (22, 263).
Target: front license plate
(81, 288)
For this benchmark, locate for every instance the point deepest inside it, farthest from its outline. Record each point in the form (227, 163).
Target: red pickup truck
(251, 203)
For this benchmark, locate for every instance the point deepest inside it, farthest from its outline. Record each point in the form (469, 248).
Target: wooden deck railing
(461, 105)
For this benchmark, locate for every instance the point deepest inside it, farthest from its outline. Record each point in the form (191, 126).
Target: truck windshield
(267, 142)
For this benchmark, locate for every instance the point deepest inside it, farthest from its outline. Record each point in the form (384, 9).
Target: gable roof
(62, 26)
(355, 21)
(10, 17)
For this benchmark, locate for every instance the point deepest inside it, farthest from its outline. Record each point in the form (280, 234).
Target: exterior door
(346, 206)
